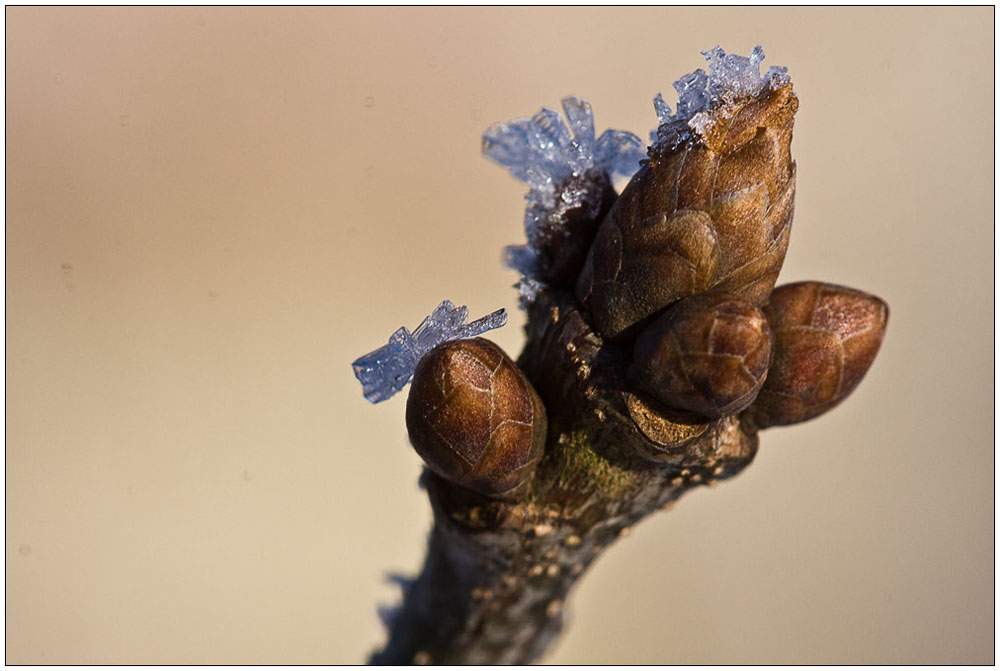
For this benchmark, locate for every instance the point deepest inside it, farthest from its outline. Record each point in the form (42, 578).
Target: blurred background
(211, 212)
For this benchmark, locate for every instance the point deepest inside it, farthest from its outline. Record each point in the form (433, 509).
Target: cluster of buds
(678, 272)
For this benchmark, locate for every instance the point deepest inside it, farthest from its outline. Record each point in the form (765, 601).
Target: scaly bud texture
(711, 209)
(825, 340)
(707, 354)
(474, 418)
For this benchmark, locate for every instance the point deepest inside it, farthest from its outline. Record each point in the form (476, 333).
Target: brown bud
(825, 339)
(474, 418)
(708, 354)
(714, 213)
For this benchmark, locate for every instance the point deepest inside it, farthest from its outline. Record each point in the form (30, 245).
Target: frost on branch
(385, 371)
(730, 78)
(655, 362)
(569, 172)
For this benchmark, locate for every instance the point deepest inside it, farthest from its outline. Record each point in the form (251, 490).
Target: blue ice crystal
(545, 154)
(731, 77)
(385, 371)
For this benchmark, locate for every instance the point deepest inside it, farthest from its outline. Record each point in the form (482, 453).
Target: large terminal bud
(712, 207)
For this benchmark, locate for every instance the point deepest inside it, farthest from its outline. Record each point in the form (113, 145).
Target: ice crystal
(547, 155)
(731, 77)
(385, 371)
(528, 288)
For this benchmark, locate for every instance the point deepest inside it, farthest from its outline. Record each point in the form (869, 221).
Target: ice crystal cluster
(546, 154)
(563, 165)
(731, 77)
(385, 371)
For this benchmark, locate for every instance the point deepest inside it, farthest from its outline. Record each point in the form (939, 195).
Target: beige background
(212, 212)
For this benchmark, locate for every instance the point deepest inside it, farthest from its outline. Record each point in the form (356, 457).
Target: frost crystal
(554, 160)
(731, 77)
(386, 370)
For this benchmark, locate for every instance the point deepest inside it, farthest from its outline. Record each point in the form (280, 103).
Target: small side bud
(707, 354)
(474, 418)
(825, 339)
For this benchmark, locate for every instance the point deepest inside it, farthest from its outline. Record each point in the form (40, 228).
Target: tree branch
(498, 573)
(655, 359)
